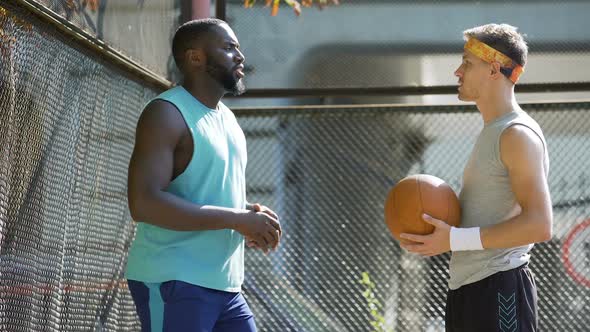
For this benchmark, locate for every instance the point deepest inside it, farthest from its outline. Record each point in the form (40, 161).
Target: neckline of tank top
(217, 108)
(503, 117)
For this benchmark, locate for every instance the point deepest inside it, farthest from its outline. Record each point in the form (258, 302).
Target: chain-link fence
(327, 172)
(67, 124)
(66, 134)
(393, 43)
(411, 43)
(140, 29)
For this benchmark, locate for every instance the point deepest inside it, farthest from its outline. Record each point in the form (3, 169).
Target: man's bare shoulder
(161, 117)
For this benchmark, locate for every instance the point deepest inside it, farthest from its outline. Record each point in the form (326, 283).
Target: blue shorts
(180, 306)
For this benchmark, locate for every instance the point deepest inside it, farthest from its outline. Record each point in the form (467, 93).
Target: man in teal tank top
(505, 200)
(187, 191)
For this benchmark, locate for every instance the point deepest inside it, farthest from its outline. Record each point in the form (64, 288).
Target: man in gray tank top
(505, 201)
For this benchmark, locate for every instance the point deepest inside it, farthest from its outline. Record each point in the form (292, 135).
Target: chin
(237, 89)
(464, 98)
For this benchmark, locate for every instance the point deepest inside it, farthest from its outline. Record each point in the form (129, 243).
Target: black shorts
(503, 302)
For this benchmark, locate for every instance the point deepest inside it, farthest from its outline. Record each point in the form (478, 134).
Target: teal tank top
(214, 176)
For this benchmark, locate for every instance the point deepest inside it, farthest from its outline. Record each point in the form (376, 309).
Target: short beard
(226, 78)
(238, 88)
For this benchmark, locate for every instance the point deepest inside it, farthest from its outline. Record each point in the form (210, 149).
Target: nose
(240, 56)
(459, 72)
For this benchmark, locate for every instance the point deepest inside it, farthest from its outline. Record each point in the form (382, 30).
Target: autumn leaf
(275, 7)
(93, 4)
(70, 4)
(296, 5)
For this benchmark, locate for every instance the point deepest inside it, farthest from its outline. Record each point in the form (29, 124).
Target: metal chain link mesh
(66, 133)
(140, 29)
(376, 43)
(327, 172)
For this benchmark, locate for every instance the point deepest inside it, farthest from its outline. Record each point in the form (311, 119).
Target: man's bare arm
(522, 152)
(151, 167)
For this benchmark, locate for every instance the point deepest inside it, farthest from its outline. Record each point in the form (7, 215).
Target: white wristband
(465, 239)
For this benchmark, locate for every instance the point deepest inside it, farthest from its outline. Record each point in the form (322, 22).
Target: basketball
(417, 194)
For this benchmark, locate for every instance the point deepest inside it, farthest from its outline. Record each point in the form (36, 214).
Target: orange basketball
(418, 194)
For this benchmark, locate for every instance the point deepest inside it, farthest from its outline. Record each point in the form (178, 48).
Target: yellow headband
(491, 55)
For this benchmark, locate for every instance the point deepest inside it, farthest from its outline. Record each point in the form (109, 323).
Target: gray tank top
(486, 199)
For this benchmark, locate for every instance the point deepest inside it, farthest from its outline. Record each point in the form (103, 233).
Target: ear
(495, 72)
(195, 57)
